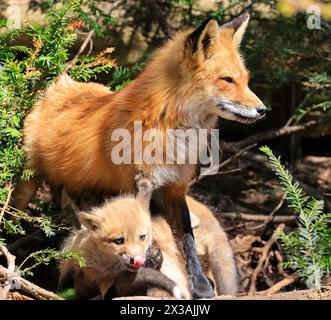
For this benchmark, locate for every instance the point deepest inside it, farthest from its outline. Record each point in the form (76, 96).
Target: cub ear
(145, 187)
(239, 26)
(201, 41)
(90, 221)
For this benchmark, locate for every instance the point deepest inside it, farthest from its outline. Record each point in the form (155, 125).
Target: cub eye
(142, 237)
(118, 240)
(227, 79)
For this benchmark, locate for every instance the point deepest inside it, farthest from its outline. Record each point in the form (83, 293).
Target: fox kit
(114, 239)
(110, 258)
(192, 80)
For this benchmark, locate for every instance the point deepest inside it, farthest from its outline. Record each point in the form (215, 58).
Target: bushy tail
(223, 265)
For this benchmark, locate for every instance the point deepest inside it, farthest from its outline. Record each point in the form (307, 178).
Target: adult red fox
(194, 78)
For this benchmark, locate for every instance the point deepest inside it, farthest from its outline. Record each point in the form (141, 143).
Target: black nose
(131, 260)
(261, 110)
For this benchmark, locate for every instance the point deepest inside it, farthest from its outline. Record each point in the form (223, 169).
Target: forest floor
(290, 295)
(250, 206)
(244, 199)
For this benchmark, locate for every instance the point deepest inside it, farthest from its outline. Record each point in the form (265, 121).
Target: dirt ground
(245, 201)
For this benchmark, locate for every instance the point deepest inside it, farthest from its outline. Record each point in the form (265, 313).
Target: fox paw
(144, 184)
(201, 287)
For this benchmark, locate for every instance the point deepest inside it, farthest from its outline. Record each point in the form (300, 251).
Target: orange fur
(194, 78)
(125, 217)
(105, 259)
(67, 134)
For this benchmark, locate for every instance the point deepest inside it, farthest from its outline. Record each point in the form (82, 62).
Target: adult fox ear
(202, 40)
(238, 27)
(90, 221)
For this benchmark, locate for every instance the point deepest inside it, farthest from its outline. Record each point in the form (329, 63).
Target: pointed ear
(201, 41)
(90, 221)
(145, 188)
(239, 26)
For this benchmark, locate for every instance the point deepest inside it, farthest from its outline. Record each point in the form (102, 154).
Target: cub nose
(136, 262)
(261, 110)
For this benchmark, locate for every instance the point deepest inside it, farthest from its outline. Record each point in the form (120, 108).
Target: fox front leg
(178, 215)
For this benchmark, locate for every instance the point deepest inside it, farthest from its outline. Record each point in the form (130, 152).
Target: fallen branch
(236, 155)
(7, 275)
(222, 164)
(28, 287)
(271, 134)
(4, 289)
(258, 217)
(277, 287)
(250, 142)
(263, 257)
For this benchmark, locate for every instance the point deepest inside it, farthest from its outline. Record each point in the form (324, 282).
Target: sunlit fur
(67, 134)
(214, 251)
(95, 239)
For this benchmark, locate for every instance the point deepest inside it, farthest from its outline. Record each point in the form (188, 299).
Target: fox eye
(142, 237)
(118, 241)
(227, 79)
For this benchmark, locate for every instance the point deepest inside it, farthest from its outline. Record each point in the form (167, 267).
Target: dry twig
(81, 50)
(263, 257)
(4, 207)
(274, 133)
(4, 289)
(271, 216)
(278, 286)
(6, 274)
(258, 217)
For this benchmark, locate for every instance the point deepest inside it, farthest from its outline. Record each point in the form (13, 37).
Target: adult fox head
(219, 71)
(201, 73)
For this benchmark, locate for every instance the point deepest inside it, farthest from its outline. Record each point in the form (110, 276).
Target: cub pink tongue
(138, 262)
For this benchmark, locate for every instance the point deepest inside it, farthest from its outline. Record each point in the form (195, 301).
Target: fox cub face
(121, 230)
(219, 71)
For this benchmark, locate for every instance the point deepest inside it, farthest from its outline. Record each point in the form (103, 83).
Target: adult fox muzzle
(236, 111)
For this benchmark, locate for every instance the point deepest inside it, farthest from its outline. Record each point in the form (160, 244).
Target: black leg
(200, 286)
(176, 211)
